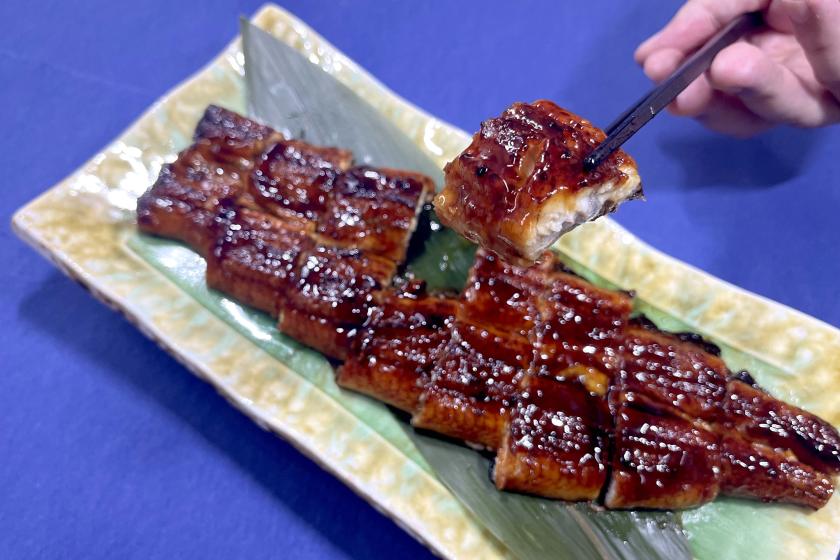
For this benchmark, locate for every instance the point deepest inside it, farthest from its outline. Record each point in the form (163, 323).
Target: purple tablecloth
(108, 448)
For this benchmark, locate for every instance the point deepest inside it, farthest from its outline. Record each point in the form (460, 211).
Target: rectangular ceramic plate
(85, 224)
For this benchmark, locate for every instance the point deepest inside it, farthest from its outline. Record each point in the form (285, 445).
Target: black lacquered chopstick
(659, 97)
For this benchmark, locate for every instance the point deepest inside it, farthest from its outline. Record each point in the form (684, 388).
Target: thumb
(816, 24)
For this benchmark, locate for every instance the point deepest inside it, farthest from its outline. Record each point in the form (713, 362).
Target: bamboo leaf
(538, 528)
(446, 257)
(295, 96)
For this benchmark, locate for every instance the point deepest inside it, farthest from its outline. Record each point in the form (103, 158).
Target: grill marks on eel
(185, 201)
(557, 442)
(475, 381)
(580, 401)
(520, 184)
(286, 227)
(399, 345)
(606, 408)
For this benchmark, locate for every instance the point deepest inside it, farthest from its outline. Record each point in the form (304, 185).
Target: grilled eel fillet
(286, 227)
(183, 203)
(606, 408)
(580, 401)
(400, 344)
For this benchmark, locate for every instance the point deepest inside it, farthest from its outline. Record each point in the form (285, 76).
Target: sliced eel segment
(374, 209)
(184, 201)
(665, 402)
(398, 346)
(329, 300)
(660, 459)
(677, 373)
(294, 179)
(762, 418)
(521, 183)
(232, 139)
(580, 325)
(501, 296)
(256, 258)
(757, 471)
(556, 443)
(473, 385)
(475, 381)
(329, 337)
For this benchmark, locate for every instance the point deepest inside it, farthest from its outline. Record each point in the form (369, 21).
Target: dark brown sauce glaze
(754, 470)
(580, 325)
(374, 210)
(398, 346)
(231, 138)
(184, 201)
(500, 295)
(338, 284)
(532, 152)
(762, 418)
(556, 444)
(677, 374)
(256, 259)
(666, 402)
(661, 460)
(295, 178)
(333, 291)
(565, 139)
(474, 383)
(329, 337)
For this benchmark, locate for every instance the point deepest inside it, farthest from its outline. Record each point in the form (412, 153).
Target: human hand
(788, 73)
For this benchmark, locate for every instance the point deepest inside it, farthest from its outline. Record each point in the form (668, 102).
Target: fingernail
(798, 10)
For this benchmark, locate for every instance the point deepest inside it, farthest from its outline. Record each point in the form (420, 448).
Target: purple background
(110, 448)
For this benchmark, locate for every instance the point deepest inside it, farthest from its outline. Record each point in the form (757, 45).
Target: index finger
(695, 23)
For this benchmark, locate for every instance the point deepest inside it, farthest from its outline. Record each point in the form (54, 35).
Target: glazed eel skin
(286, 227)
(582, 401)
(521, 183)
(579, 399)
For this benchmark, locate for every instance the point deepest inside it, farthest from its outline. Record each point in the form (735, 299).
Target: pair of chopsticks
(659, 97)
